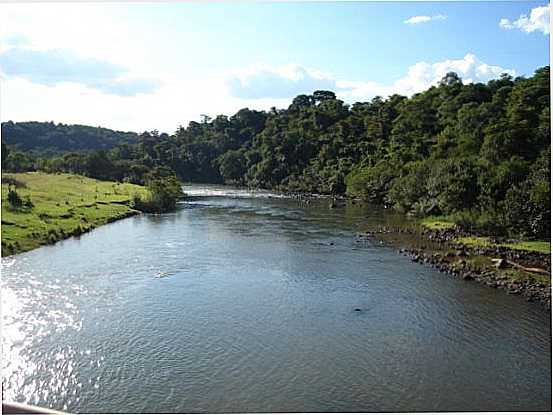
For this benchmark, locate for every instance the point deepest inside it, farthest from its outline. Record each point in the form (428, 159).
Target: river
(248, 302)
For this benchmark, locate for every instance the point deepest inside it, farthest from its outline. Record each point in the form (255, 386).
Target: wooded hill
(49, 138)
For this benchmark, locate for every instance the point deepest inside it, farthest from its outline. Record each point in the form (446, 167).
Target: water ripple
(248, 304)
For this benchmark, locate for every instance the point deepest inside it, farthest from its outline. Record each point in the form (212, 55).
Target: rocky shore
(496, 267)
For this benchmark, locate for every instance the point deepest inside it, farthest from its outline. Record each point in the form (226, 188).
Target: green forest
(476, 153)
(47, 139)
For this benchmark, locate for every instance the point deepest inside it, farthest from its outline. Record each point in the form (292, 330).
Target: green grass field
(64, 205)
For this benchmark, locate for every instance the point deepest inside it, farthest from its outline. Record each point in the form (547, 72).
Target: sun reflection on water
(33, 311)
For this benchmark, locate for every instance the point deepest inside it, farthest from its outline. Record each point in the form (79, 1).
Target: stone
(467, 276)
(500, 263)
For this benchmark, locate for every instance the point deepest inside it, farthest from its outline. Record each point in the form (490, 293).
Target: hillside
(63, 205)
(50, 138)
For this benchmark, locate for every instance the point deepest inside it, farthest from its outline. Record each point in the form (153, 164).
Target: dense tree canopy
(50, 138)
(478, 152)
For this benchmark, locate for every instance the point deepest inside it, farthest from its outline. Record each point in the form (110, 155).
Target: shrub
(28, 203)
(165, 189)
(479, 221)
(14, 199)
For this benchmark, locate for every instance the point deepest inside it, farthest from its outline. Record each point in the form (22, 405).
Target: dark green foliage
(410, 192)
(475, 152)
(27, 203)
(165, 190)
(372, 183)
(17, 161)
(527, 206)
(50, 138)
(5, 153)
(232, 165)
(453, 183)
(14, 199)
(435, 186)
(475, 220)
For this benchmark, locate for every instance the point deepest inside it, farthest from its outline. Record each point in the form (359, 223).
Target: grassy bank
(543, 247)
(437, 223)
(64, 205)
(520, 268)
(443, 223)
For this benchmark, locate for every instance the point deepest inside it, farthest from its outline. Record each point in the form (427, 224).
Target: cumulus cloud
(263, 81)
(291, 80)
(537, 21)
(75, 26)
(74, 103)
(128, 87)
(51, 67)
(423, 75)
(424, 19)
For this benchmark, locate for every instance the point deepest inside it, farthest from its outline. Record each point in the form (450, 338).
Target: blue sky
(140, 66)
(350, 39)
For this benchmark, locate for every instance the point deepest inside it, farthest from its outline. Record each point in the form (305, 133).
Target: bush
(165, 190)
(14, 199)
(28, 203)
(479, 221)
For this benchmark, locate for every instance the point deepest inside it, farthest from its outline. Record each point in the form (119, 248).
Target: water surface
(246, 302)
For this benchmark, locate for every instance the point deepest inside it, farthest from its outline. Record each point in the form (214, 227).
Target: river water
(243, 302)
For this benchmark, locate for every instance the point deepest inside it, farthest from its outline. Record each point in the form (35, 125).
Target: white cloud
(288, 81)
(74, 103)
(179, 101)
(423, 75)
(175, 103)
(98, 30)
(98, 69)
(182, 94)
(262, 81)
(424, 19)
(50, 67)
(537, 21)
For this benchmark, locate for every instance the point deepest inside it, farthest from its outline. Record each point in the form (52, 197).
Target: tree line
(48, 138)
(478, 153)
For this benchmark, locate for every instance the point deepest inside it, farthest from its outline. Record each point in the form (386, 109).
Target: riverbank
(522, 269)
(63, 205)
